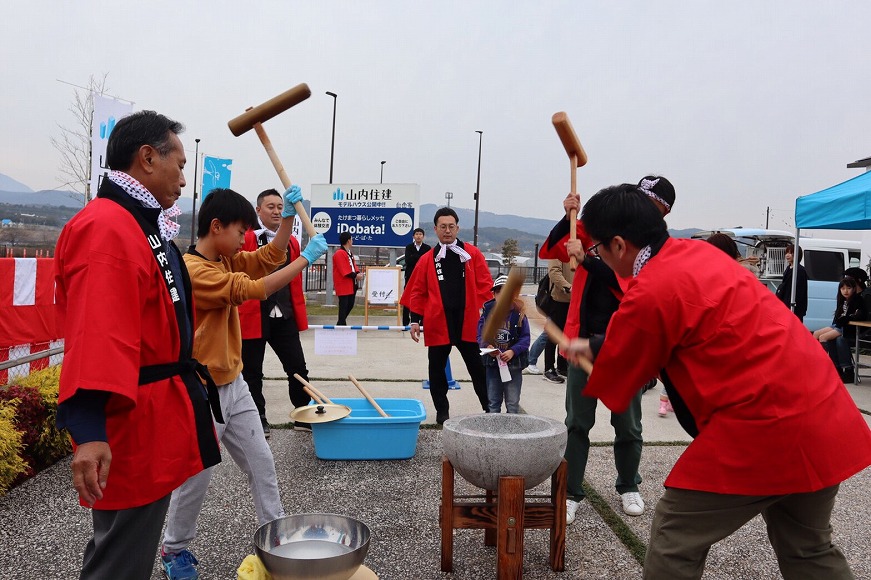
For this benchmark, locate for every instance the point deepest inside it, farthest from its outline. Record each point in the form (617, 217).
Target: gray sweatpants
(241, 434)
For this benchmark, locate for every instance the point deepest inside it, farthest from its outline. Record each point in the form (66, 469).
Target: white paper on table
(504, 371)
(336, 342)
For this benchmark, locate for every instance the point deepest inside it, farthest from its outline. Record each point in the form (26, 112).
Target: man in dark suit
(413, 252)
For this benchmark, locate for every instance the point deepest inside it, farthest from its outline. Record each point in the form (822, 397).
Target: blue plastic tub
(364, 434)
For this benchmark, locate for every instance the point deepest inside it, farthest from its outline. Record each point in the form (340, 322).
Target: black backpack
(543, 299)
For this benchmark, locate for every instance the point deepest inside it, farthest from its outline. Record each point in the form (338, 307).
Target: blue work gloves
(316, 247)
(291, 196)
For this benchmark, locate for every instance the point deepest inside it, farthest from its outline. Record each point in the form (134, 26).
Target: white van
(824, 260)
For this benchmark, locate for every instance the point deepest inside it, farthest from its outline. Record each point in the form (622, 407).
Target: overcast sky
(743, 105)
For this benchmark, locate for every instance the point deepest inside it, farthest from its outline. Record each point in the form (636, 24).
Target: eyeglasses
(447, 227)
(593, 251)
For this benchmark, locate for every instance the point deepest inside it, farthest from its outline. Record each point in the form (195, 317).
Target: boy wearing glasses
(448, 287)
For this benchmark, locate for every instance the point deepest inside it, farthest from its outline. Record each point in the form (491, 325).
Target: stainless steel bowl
(312, 546)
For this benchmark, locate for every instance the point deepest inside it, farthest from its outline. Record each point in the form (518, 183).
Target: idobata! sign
(380, 214)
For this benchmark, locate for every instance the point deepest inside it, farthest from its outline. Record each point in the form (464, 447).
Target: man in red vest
(278, 320)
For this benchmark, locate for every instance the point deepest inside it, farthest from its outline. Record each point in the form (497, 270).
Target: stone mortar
(482, 448)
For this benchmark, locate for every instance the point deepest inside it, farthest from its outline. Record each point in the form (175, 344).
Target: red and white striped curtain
(27, 313)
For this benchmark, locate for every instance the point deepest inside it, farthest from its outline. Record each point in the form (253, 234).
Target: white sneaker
(531, 370)
(633, 505)
(571, 508)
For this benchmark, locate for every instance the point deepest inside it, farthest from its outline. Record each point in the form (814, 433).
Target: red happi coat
(250, 315)
(116, 316)
(558, 251)
(343, 265)
(422, 294)
(773, 415)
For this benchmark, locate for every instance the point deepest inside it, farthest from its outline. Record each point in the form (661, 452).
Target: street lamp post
(194, 209)
(333, 140)
(382, 171)
(478, 186)
(449, 196)
(328, 259)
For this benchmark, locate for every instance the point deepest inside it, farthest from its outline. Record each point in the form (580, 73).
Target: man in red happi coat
(776, 431)
(448, 287)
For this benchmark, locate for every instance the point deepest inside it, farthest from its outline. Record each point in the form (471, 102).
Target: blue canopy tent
(846, 206)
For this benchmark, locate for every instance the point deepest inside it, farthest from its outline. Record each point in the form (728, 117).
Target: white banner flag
(107, 112)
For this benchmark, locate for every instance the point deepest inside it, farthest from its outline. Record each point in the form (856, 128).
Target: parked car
(825, 262)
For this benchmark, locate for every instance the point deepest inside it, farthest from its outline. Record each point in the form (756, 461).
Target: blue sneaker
(180, 566)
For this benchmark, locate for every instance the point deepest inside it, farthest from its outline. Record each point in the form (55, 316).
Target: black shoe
(300, 426)
(553, 376)
(847, 375)
(442, 416)
(649, 385)
(266, 431)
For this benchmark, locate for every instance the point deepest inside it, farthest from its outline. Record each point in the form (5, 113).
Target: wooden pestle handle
(368, 396)
(285, 180)
(317, 394)
(312, 394)
(556, 336)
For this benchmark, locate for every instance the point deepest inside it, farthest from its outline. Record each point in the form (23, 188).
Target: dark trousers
(125, 542)
(438, 380)
(687, 523)
(282, 335)
(580, 418)
(839, 351)
(558, 314)
(346, 304)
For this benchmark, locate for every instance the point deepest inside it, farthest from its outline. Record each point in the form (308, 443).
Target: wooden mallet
(254, 117)
(577, 158)
(509, 293)
(556, 336)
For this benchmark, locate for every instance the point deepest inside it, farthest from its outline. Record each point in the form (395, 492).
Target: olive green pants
(580, 418)
(687, 523)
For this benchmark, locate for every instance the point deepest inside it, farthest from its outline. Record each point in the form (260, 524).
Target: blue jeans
(496, 390)
(537, 348)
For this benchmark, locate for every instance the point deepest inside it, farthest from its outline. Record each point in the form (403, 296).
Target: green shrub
(51, 444)
(11, 463)
(30, 405)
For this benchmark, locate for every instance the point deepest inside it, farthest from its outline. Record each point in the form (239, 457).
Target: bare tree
(74, 143)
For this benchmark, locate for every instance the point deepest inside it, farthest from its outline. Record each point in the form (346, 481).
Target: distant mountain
(9, 184)
(493, 229)
(54, 198)
(486, 219)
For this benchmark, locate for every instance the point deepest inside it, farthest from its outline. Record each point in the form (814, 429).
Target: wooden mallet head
(265, 111)
(509, 293)
(569, 138)
(577, 158)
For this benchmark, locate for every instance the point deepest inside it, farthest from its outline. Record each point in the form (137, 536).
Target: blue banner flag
(216, 174)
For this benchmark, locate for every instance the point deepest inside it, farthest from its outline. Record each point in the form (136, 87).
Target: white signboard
(336, 342)
(382, 285)
(377, 215)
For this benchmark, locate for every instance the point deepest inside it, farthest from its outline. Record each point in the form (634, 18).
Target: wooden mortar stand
(503, 517)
